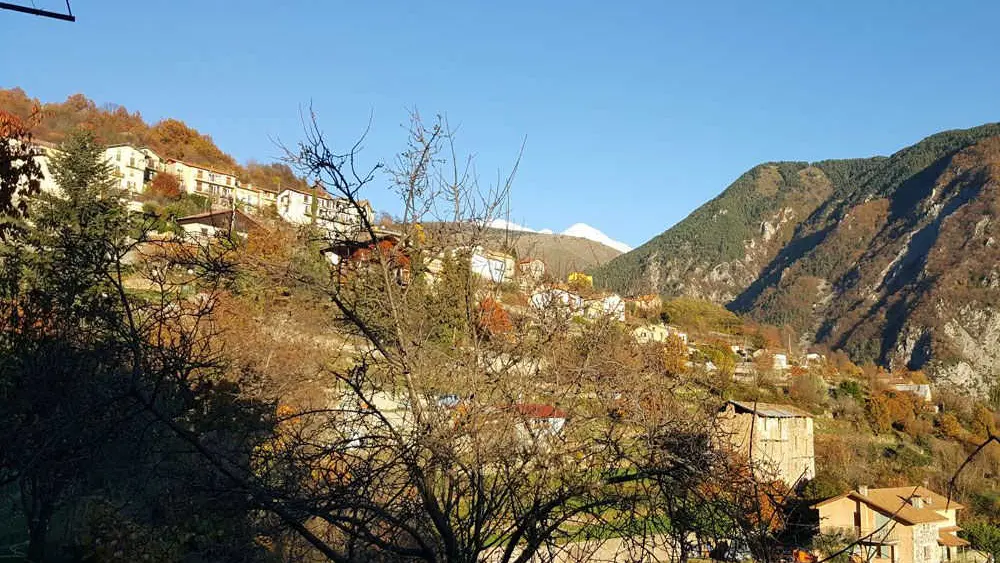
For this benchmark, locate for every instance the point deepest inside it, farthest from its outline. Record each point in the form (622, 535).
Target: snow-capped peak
(506, 225)
(583, 230)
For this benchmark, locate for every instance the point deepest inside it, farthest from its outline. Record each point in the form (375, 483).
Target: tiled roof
(897, 503)
(951, 540)
(933, 500)
(201, 166)
(223, 213)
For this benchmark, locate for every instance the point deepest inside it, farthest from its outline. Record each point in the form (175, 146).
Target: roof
(951, 540)
(937, 501)
(539, 411)
(220, 217)
(201, 166)
(769, 410)
(321, 193)
(895, 502)
(47, 144)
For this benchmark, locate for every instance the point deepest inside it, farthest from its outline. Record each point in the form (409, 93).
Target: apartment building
(335, 215)
(202, 180)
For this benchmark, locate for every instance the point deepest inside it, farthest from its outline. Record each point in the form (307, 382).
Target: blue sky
(634, 113)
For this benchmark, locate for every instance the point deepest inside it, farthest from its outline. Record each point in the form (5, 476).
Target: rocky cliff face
(895, 260)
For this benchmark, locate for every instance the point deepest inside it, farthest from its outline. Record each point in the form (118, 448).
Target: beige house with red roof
(895, 525)
(202, 180)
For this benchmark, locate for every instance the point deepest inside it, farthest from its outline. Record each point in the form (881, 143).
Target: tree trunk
(38, 512)
(38, 530)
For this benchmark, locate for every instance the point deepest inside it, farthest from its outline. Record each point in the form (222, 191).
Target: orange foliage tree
(165, 186)
(20, 173)
(492, 317)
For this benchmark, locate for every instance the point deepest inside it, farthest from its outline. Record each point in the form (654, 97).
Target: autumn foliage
(165, 186)
(111, 124)
(20, 174)
(492, 317)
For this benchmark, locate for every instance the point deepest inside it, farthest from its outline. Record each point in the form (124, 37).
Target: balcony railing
(880, 535)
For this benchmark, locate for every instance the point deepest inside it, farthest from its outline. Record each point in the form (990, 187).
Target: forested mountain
(893, 259)
(111, 124)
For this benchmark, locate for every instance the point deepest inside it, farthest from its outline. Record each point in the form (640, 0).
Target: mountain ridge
(887, 258)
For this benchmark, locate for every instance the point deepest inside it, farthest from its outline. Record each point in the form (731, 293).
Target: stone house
(530, 271)
(777, 439)
(895, 525)
(650, 303)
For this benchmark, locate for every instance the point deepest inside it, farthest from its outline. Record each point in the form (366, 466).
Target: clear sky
(634, 113)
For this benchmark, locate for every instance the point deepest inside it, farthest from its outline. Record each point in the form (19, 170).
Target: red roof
(539, 411)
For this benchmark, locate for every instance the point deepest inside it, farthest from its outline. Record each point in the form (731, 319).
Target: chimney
(917, 502)
(863, 489)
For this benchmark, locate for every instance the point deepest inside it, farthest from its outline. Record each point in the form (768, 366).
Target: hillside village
(863, 451)
(899, 525)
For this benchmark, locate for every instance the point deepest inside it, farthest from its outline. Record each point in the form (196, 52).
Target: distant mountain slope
(562, 254)
(583, 230)
(894, 259)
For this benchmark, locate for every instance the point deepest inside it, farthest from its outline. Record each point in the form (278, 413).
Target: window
(199, 188)
(927, 553)
(881, 521)
(118, 156)
(199, 173)
(229, 181)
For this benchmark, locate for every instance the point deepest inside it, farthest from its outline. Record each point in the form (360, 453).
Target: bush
(809, 389)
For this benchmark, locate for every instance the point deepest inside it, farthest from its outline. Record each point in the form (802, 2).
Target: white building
(611, 306)
(780, 362)
(335, 215)
(556, 298)
(658, 333)
(490, 265)
(133, 167)
(44, 160)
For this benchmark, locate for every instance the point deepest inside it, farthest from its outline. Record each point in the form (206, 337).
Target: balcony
(888, 534)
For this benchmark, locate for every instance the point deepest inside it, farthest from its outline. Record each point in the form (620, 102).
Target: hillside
(112, 124)
(562, 254)
(890, 258)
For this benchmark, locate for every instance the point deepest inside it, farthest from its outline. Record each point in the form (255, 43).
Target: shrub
(809, 389)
